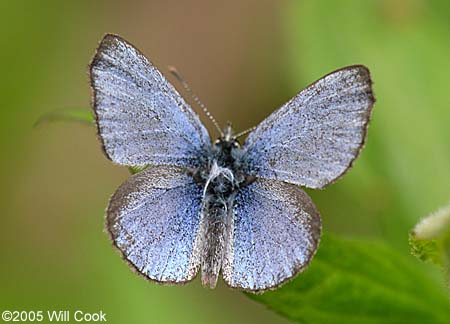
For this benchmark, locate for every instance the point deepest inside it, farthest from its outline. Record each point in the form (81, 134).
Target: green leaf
(76, 115)
(430, 239)
(136, 169)
(360, 282)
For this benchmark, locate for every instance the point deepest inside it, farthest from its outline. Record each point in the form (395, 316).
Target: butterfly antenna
(186, 87)
(251, 129)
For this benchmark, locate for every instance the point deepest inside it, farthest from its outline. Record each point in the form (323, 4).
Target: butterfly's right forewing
(141, 118)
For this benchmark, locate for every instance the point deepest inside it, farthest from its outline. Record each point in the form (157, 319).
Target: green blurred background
(244, 59)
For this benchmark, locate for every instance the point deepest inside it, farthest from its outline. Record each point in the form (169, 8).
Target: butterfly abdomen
(215, 231)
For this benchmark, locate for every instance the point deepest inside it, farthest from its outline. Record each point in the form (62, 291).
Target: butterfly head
(227, 138)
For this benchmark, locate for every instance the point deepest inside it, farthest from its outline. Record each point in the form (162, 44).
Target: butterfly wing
(313, 139)
(274, 234)
(153, 219)
(141, 118)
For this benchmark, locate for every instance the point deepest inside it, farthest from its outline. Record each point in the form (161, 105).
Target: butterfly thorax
(222, 172)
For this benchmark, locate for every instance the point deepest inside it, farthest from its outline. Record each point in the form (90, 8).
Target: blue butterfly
(221, 207)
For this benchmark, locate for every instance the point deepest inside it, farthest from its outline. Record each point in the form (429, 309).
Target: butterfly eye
(236, 144)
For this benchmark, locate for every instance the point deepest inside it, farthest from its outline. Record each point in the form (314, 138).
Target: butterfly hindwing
(141, 118)
(274, 234)
(154, 220)
(313, 139)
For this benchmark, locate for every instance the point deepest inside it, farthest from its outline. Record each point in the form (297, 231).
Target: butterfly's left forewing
(275, 232)
(154, 220)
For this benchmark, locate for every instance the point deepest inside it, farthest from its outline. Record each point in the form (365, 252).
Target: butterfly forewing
(141, 118)
(314, 138)
(275, 233)
(154, 219)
